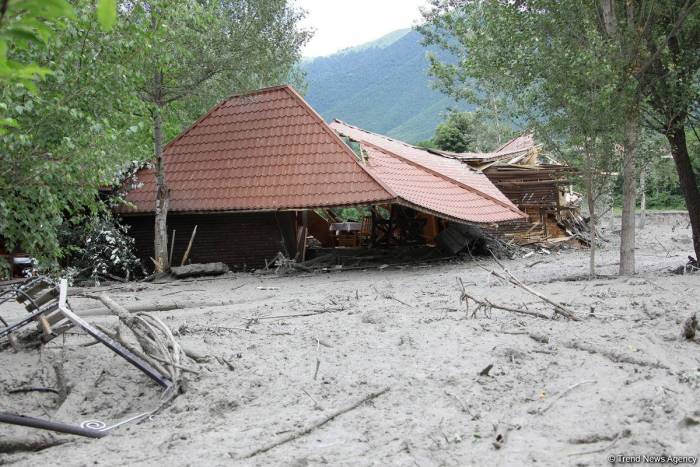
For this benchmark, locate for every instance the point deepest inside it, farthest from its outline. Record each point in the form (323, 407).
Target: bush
(107, 250)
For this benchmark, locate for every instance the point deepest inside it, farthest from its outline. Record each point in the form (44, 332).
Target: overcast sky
(344, 23)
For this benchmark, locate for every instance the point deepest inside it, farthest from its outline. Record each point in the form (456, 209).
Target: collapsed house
(261, 172)
(532, 180)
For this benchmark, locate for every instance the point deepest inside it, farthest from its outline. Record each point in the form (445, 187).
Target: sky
(345, 23)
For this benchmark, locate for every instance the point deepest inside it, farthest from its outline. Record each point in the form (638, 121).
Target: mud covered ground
(620, 381)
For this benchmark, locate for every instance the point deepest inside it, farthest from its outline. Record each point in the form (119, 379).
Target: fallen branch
(612, 356)
(564, 393)
(558, 307)
(486, 305)
(26, 390)
(298, 315)
(9, 445)
(305, 431)
(160, 306)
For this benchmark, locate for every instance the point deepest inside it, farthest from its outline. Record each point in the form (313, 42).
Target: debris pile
(539, 185)
(151, 348)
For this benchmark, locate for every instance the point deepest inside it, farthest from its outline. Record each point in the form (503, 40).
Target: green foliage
(27, 25)
(456, 133)
(73, 133)
(471, 132)
(105, 248)
(107, 13)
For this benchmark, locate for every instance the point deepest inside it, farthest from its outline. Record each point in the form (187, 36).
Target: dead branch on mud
(510, 278)
(486, 306)
(9, 445)
(564, 393)
(612, 356)
(305, 431)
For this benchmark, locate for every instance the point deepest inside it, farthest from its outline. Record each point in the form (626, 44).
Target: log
(196, 270)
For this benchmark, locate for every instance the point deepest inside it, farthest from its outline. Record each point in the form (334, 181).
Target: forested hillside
(382, 86)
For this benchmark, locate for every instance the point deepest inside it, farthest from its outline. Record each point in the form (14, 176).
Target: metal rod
(27, 320)
(117, 348)
(32, 422)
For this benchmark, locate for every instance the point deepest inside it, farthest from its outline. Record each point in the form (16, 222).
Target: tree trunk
(611, 218)
(162, 196)
(592, 222)
(643, 201)
(686, 175)
(629, 193)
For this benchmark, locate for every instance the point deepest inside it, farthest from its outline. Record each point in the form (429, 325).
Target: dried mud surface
(620, 381)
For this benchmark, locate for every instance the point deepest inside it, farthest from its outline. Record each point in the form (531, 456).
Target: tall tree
(201, 51)
(668, 77)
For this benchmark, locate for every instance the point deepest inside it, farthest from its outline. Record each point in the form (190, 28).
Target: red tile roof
(439, 184)
(270, 150)
(266, 150)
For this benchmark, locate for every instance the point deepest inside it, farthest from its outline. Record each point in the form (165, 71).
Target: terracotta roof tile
(442, 185)
(260, 151)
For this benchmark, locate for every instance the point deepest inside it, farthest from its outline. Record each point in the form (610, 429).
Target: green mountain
(382, 86)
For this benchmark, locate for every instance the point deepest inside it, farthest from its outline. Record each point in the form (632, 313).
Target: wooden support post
(189, 247)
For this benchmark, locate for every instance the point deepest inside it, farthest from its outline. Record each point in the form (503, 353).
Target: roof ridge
(218, 105)
(335, 136)
(447, 178)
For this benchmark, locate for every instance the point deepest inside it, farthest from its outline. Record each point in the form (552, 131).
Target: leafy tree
(575, 69)
(548, 63)
(471, 132)
(72, 131)
(456, 133)
(197, 52)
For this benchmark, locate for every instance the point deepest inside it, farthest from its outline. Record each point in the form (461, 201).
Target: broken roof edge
(524, 134)
(403, 202)
(438, 174)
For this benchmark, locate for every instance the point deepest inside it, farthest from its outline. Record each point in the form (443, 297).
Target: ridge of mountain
(382, 86)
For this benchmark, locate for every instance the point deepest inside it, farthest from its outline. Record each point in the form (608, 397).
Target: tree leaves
(107, 14)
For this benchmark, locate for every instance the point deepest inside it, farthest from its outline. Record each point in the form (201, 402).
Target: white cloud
(341, 23)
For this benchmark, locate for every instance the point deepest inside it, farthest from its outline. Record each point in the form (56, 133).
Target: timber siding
(242, 240)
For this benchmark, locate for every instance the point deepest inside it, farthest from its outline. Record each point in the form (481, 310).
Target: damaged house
(260, 173)
(532, 180)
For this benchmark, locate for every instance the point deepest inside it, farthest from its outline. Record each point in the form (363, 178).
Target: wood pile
(539, 191)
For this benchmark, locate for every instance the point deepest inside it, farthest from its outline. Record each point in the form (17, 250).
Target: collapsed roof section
(440, 185)
(512, 152)
(267, 150)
